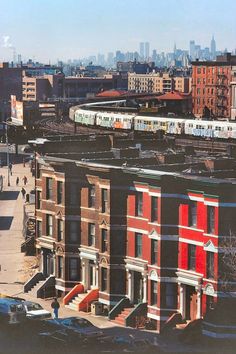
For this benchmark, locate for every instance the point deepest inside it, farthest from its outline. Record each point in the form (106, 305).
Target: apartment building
(40, 88)
(211, 89)
(10, 84)
(158, 82)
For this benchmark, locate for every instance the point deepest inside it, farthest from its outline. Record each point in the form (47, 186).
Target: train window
(230, 129)
(209, 127)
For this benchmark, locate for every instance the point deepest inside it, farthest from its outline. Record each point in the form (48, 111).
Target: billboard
(17, 110)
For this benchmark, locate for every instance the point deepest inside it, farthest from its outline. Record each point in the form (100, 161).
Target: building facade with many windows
(147, 236)
(158, 82)
(211, 87)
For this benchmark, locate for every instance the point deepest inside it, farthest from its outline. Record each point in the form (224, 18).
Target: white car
(35, 311)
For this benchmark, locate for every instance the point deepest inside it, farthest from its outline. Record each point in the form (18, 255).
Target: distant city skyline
(47, 30)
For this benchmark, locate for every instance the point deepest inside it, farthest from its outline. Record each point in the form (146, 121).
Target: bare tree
(227, 264)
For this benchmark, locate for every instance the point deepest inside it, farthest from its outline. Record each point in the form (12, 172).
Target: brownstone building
(80, 223)
(211, 90)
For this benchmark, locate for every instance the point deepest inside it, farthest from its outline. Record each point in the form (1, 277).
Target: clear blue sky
(51, 29)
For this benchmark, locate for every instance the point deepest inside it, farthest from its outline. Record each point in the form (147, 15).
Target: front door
(138, 287)
(91, 275)
(48, 263)
(191, 303)
(193, 306)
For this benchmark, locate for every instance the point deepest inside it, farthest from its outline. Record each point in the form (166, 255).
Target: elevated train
(91, 116)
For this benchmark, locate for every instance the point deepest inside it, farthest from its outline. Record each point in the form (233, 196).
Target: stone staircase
(36, 287)
(42, 287)
(74, 303)
(120, 319)
(182, 325)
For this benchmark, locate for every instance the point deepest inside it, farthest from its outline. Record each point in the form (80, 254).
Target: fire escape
(150, 86)
(222, 95)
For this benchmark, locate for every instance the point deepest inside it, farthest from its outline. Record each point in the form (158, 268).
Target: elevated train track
(50, 126)
(68, 126)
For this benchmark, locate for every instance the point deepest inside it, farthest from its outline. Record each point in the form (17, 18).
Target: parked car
(64, 337)
(114, 344)
(80, 325)
(27, 149)
(12, 311)
(35, 311)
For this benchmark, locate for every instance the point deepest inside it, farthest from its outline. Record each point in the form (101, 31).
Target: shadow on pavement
(5, 222)
(9, 195)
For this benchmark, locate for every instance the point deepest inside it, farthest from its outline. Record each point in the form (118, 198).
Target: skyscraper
(213, 48)
(174, 50)
(147, 48)
(192, 49)
(141, 50)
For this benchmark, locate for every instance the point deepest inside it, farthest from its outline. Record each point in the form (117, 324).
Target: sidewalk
(11, 225)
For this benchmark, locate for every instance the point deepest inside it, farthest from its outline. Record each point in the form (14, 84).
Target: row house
(103, 233)
(178, 233)
(58, 223)
(134, 238)
(80, 228)
(152, 247)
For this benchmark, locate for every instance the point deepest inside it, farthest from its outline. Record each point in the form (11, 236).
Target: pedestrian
(23, 191)
(55, 306)
(17, 180)
(10, 168)
(25, 180)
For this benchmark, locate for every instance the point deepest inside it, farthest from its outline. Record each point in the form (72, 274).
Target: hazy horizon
(49, 30)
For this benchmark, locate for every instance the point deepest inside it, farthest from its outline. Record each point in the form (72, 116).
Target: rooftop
(111, 93)
(174, 95)
(148, 157)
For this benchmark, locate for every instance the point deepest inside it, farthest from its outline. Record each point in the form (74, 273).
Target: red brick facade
(211, 90)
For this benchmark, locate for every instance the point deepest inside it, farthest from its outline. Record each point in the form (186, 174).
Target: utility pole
(8, 162)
